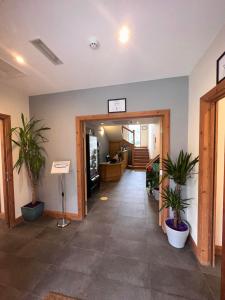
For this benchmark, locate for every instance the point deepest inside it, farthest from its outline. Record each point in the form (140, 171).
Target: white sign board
(60, 167)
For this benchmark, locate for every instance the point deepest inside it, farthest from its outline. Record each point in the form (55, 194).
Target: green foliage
(180, 169)
(172, 198)
(29, 139)
(152, 177)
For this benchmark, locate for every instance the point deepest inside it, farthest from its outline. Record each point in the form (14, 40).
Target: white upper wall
(201, 80)
(13, 102)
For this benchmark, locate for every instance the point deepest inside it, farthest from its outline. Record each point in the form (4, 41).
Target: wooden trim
(18, 221)
(7, 161)
(59, 214)
(207, 167)
(165, 116)
(223, 243)
(2, 216)
(218, 250)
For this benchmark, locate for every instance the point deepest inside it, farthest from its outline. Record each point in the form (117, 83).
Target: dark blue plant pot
(32, 213)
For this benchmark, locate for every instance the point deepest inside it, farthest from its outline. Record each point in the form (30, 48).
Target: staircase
(140, 157)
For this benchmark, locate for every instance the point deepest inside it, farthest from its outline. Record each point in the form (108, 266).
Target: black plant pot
(32, 212)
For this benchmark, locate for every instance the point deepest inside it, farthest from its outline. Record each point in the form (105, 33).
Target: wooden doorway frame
(207, 165)
(80, 120)
(7, 168)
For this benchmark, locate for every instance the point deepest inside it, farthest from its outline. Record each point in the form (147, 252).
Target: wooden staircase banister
(152, 161)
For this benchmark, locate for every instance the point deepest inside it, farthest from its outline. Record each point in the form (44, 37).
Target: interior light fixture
(19, 59)
(124, 35)
(102, 123)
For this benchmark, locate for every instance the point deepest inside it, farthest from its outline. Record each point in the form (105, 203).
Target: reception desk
(113, 171)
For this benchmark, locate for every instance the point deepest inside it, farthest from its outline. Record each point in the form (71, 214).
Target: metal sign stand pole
(63, 222)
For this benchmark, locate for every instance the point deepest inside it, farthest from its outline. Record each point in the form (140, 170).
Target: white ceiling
(167, 40)
(125, 122)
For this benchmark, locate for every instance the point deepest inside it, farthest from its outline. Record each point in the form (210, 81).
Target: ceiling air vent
(7, 71)
(46, 51)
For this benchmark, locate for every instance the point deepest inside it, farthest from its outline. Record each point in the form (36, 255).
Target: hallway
(117, 253)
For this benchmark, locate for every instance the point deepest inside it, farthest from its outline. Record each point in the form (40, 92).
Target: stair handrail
(128, 129)
(152, 161)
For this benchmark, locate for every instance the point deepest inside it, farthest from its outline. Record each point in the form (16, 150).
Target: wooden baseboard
(59, 214)
(18, 220)
(2, 216)
(218, 250)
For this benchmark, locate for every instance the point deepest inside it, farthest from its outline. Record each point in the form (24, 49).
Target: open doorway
(163, 116)
(119, 154)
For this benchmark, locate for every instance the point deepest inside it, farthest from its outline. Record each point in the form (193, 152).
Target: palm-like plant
(172, 198)
(179, 171)
(29, 139)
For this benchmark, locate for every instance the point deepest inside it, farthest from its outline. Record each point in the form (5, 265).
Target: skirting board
(218, 250)
(59, 214)
(2, 216)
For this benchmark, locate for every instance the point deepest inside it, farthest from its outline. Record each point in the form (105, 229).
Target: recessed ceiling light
(124, 34)
(102, 123)
(19, 59)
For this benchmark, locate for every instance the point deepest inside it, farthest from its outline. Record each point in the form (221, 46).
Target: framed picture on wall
(117, 105)
(220, 68)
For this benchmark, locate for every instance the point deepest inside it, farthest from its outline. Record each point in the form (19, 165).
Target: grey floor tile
(58, 235)
(127, 248)
(105, 289)
(89, 241)
(214, 284)
(95, 228)
(67, 282)
(12, 243)
(21, 273)
(125, 270)
(180, 282)
(28, 230)
(79, 260)
(42, 250)
(129, 233)
(156, 295)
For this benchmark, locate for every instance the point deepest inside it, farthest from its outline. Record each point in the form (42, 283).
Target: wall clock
(117, 105)
(220, 70)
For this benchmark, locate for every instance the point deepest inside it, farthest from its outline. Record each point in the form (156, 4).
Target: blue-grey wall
(59, 112)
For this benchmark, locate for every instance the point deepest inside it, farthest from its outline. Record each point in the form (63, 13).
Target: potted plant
(179, 171)
(29, 139)
(152, 179)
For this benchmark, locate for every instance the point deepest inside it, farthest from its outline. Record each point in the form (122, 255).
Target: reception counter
(113, 171)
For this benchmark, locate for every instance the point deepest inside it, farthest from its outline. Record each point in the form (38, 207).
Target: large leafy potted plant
(29, 139)
(179, 171)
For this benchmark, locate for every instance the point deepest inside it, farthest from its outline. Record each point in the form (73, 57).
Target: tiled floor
(117, 253)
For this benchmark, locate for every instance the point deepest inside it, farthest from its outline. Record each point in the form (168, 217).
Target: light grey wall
(59, 111)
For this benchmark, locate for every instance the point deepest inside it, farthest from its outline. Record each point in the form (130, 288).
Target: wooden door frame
(80, 120)
(7, 164)
(223, 244)
(207, 165)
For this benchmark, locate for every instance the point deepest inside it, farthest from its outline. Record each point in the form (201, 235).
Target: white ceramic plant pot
(156, 194)
(177, 238)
